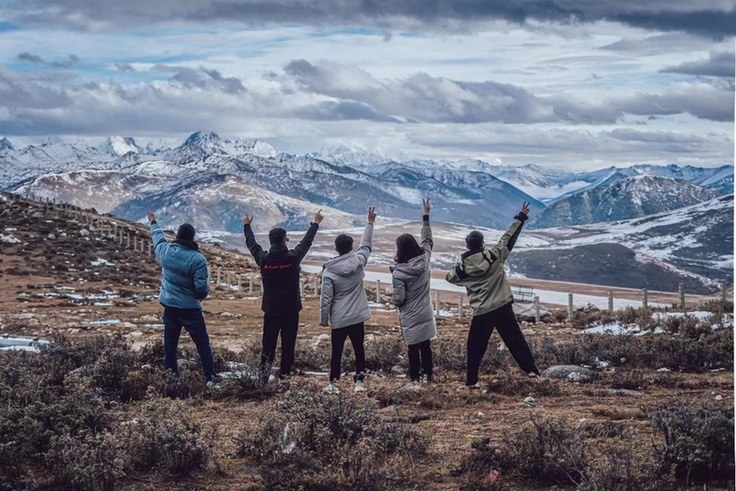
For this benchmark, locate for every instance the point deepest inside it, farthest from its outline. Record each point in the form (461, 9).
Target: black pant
(287, 326)
(421, 350)
(356, 333)
(193, 321)
(480, 332)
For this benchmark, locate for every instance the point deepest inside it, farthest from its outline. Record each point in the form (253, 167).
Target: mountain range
(213, 180)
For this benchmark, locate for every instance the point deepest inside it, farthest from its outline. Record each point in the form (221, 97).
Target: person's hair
(407, 248)
(343, 244)
(474, 241)
(185, 232)
(276, 235)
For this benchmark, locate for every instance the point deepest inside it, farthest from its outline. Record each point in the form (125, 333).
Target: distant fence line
(130, 238)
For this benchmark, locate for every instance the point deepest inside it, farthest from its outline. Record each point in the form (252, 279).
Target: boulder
(571, 372)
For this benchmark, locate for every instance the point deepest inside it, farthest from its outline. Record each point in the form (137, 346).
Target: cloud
(711, 18)
(717, 65)
(424, 98)
(31, 58)
(202, 78)
(124, 67)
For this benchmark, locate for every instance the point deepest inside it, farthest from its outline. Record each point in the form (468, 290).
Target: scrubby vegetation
(92, 414)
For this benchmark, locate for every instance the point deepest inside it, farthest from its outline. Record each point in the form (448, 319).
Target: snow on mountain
(118, 145)
(692, 244)
(628, 197)
(6, 145)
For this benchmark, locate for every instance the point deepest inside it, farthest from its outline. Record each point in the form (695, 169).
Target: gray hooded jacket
(343, 300)
(411, 293)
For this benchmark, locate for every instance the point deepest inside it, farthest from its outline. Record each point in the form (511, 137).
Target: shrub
(316, 440)
(166, 437)
(93, 462)
(385, 352)
(697, 442)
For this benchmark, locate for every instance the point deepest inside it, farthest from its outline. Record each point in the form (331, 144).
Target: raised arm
(325, 302)
(157, 234)
(427, 242)
(303, 247)
(250, 240)
(508, 239)
(366, 242)
(457, 275)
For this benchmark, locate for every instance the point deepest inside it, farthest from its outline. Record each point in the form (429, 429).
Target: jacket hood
(413, 267)
(477, 263)
(345, 265)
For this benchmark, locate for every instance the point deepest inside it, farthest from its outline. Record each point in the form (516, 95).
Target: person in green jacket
(481, 272)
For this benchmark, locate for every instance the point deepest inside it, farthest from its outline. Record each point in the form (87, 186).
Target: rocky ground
(61, 275)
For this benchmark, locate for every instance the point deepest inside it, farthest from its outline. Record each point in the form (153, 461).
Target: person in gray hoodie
(411, 282)
(481, 272)
(343, 302)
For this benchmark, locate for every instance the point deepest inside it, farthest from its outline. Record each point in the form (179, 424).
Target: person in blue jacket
(184, 284)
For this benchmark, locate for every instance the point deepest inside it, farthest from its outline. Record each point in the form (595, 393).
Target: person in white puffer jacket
(343, 302)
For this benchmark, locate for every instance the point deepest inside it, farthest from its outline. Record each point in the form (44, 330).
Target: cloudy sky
(572, 84)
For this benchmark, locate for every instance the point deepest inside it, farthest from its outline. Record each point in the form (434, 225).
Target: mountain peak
(202, 139)
(6, 145)
(119, 145)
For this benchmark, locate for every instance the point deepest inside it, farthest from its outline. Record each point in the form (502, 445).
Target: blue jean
(193, 321)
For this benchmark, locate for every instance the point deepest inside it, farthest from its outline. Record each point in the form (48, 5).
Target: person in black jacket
(281, 297)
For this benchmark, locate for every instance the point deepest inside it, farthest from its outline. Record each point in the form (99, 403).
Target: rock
(51, 236)
(136, 334)
(571, 372)
(625, 392)
(719, 397)
(84, 232)
(149, 318)
(318, 339)
(663, 369)
(530, 402)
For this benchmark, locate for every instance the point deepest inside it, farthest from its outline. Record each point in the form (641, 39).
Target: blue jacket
(184, 281)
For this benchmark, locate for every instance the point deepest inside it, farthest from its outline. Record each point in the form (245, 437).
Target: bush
(316, 440)
(93, 462)
(166, 437)
(697, 442)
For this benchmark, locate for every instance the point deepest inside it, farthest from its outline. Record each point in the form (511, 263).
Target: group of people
(343, 303)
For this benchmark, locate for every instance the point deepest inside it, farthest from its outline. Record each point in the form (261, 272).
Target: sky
(568, 84)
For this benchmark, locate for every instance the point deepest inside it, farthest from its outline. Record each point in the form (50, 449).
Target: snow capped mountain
(203, 143)
(621, 198)
(118, 145)
(693, 244)
(6, 145)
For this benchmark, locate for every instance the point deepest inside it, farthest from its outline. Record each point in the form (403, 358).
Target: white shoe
(475, 386)
(212, 385)
(359, 386)
(331, 388)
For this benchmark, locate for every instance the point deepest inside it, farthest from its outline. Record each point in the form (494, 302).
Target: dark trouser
(421, 350)
(480, 332)
(287, 326)
(356, 333)
(193, 321)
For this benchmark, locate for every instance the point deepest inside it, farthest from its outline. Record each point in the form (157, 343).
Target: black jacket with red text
(280, 272)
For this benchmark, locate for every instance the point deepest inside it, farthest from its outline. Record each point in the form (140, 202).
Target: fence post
(128, 244)
(437, 303)
(460, 312)
(644, 298)
(569, 306)
(378, 291)
(301, 286)
(150, 248)
(240, 282)
(537, 317)
(316, 285)
(681, 289)
(228, 275)
(724, 291)
(250, 283)
(209, 274)
(610, 300)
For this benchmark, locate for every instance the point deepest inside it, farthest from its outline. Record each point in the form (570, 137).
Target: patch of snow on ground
(9, 239)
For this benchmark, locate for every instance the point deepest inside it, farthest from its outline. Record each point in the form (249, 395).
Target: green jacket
(482, 273)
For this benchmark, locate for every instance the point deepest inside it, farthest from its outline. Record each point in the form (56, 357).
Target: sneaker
(427, 378)
(474, 386)
(331, 388)
(212, 385)
(412, 386)
(359, 386)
